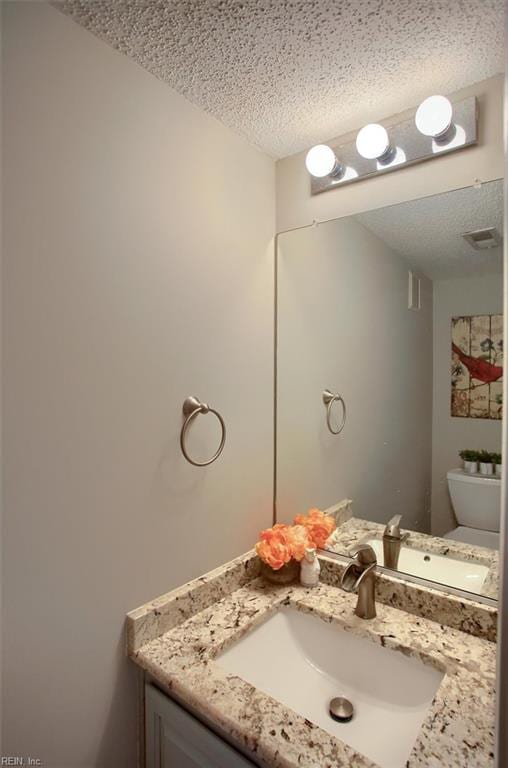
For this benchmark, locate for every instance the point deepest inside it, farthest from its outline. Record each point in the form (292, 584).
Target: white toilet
(477, 505)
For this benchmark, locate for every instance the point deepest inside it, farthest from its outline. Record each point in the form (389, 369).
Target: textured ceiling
(289, 73)
(428, 231)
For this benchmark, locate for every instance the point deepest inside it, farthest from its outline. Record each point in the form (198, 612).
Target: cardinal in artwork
(478, 368)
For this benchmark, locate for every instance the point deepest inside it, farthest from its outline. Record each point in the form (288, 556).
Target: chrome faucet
(359, 576)
(392, 539)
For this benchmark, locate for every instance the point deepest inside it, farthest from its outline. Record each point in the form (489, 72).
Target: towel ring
(191, 408)
(329, 399)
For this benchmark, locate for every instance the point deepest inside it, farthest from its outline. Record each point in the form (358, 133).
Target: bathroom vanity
(241, 672)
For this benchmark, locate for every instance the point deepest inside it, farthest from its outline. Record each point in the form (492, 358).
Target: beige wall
(466, 296)
(137, 270)
(344, 325)
(296, 207)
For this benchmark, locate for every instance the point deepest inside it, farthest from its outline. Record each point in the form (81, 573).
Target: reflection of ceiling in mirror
(428, 232)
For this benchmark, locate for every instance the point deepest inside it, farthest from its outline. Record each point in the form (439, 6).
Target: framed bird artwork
(477, 367)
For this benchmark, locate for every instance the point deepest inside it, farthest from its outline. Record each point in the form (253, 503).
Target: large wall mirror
(389, 382)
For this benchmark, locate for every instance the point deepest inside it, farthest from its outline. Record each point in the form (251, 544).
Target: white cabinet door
(175, 739)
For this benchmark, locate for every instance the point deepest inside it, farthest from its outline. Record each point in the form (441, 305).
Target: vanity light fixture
(434, 118)
(455, 137)
(397, 156)
(373, 143)
(321, 161)
(437, 127)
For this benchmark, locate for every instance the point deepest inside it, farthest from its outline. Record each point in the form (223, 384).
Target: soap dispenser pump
(310, 568)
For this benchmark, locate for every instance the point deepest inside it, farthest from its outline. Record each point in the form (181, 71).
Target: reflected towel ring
(329, 399)
(191, 408)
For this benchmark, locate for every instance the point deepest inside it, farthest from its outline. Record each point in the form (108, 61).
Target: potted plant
(498, 463)
(282, 547)
(470, 459)
(486, 466)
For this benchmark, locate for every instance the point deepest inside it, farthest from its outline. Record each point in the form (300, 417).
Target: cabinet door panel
(176, 739)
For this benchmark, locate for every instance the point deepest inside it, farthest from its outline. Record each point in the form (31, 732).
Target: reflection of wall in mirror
(344, 324)
(459, 297)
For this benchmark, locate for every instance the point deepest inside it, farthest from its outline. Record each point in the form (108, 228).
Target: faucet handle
(363, 554)
(392, 528)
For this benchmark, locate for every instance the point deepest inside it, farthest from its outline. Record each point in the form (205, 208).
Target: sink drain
(341, 710)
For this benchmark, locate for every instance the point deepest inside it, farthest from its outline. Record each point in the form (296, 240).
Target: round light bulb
(434, 116)
(372, 141)
(320, 160)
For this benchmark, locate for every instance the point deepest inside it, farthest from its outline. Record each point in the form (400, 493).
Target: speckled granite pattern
(354, 530)
(340, 512)
(165, 612)
(457, 733)
(434, 604)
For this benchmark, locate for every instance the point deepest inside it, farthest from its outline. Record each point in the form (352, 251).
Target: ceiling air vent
(483, 238)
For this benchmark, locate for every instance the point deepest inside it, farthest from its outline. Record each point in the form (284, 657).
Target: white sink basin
(304, 662)
(462, 574)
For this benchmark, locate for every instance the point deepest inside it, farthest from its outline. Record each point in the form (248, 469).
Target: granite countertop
(355, 529)
(177, 638)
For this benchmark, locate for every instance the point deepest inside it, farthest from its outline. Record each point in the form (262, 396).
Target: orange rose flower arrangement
(274, 546)
(282, 543)
(319, 526)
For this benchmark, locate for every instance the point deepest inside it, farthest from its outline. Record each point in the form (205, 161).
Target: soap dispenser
(310, 568)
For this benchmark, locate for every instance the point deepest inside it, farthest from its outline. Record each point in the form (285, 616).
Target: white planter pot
(499, 470)
(471, 467)
(486, 468)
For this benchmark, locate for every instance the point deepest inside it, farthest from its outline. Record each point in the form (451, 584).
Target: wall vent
(482, 239)
(414, 292)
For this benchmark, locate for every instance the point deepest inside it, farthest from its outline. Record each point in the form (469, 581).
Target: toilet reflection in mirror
(399, 311)
(476, 503)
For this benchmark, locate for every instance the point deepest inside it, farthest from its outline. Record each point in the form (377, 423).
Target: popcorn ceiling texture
(440, 251)
(289, 73)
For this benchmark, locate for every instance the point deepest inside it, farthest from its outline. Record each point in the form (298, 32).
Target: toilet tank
(476, 500)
